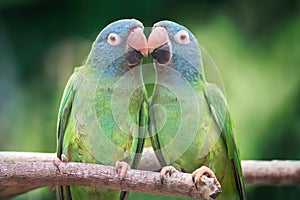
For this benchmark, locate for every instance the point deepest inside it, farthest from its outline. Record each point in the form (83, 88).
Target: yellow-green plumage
(196, 116)
(88, 129)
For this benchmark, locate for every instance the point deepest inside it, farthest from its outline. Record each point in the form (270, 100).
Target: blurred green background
(255, 45)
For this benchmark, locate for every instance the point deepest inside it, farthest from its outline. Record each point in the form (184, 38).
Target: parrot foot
(122, 168)
(166, 170)
(56, 162)
(198, 173)
(63, 158)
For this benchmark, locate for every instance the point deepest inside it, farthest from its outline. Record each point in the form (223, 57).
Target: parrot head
(122, 40)
(173, 45)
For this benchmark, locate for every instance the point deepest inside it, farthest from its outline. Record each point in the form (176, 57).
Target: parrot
(190, 125)
(103, 111)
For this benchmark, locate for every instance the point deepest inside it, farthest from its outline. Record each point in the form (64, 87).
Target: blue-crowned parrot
(190, 125)
(103, 112)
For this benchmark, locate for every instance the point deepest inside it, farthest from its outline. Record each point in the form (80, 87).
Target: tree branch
(274, 172)
(36, 174)
(37, 169)
(255, 172)
(258, 172)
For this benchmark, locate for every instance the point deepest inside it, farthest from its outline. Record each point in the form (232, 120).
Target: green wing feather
(154, 136)
(219, 109)
(63, 192)
(143, 123)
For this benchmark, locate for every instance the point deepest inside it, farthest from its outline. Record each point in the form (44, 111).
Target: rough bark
(47, 173)
(37, 169)
(275, 172)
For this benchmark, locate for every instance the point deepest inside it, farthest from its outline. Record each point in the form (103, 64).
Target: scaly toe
(122, 168)
(198, 173)
(63, 158)
(166, 170)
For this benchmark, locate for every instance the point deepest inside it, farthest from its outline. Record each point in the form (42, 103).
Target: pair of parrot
(105, 112)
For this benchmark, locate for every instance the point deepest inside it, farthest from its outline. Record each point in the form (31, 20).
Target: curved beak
(159, 45)
(157, 38)
(137, 40)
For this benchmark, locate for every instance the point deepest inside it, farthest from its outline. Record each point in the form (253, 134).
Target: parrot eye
(182, 37)
(114, 39)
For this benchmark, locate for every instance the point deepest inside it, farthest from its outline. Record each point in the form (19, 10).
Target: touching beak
(137, 40)
(157, 38)
(160, 46)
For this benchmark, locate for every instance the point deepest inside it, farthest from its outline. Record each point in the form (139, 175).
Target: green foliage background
(255, 45)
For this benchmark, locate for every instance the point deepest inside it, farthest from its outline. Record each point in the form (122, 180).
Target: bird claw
(166, 170)
(63, 158)
(56, 162)
(122, 168)
(198, 173)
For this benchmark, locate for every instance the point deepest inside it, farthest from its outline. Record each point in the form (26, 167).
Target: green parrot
(103, 113)
(190, 125)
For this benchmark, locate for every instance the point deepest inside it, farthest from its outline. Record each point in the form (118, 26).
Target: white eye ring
(182, 37)
(114, 39)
